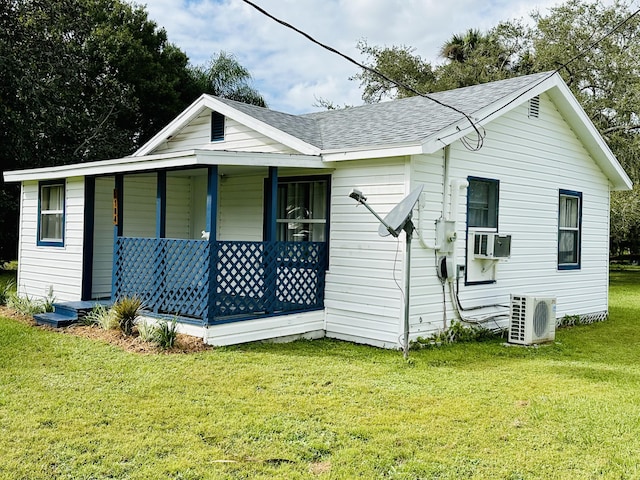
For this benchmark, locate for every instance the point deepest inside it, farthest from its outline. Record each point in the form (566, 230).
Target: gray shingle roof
(406, 120)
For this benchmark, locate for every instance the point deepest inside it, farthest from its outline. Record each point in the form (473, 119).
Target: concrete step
(67, 313)
(56, 320)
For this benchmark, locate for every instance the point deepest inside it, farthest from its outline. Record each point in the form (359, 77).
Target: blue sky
(289, 70)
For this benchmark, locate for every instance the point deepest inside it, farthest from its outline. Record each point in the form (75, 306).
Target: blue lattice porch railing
(249, 278)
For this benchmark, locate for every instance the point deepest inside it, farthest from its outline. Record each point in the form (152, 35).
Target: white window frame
(58, 240)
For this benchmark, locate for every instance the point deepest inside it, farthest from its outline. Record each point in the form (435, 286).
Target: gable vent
(217, 127)
(534, 107)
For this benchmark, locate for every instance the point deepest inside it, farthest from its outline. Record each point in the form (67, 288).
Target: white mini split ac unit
(532, 319)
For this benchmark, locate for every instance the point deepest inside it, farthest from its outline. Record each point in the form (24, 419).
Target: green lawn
(73, 408)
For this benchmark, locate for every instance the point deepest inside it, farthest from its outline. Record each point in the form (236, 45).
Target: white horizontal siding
(240, 208)
(139, 209)
(179, 208)
(362, 298)
(534, 159)
(60, 268)
(237, 137)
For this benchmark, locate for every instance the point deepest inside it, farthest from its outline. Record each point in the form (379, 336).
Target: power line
(480, 136)
(581, 53)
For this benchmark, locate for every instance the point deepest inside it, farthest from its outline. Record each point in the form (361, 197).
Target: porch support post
(118, 205)
(270, 247)
(161, 231)
(272, 205)
(161, 205)
(212, 214)
(212, 202)
(87, 241)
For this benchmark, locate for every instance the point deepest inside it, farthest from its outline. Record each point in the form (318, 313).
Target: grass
(73, 408)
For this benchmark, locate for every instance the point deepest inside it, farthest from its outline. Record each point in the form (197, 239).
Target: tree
(605, 79)
(398, 63)
(225, 77)
(86, 80)
(604, 76)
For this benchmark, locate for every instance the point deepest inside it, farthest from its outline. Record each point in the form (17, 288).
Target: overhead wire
(564, 65)
(480, 135)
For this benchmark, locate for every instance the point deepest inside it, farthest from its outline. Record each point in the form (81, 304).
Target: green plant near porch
(126, 311)
(101, 316)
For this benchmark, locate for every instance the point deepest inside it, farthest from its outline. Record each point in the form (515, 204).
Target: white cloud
(290, 70)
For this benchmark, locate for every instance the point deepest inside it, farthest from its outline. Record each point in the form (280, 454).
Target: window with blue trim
(302, 210)
(51, 209)
(482, 203)
(569, 229)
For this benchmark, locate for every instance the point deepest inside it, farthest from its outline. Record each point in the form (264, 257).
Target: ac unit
(491, 245)
(532, 319)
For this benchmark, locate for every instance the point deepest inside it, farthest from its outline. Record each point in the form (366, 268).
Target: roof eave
(173, 160)
(569, 106)
(363, 153)
(207, 101)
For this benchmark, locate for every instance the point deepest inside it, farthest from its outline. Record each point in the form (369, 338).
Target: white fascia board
(463, 127)
(207, 101)
(172, 160)
(177, 124)
(104, 167)
(368, 153)
(563, 98)
(261, 127)
(249, 159)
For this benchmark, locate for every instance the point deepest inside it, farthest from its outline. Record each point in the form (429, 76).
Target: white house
(237, 219)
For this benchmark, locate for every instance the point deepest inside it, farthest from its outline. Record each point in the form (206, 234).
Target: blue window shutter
(217, 127)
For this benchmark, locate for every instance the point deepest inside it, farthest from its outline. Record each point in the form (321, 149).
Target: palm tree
(224, 77)
(460, 47)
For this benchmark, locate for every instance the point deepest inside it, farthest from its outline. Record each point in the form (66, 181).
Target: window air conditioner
(491, 245)
(532, 320)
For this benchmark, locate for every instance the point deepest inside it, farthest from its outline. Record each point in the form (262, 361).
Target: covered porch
(212, 244)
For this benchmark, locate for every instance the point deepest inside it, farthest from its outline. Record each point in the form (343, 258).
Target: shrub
(166, 333)
(49, 300)
(126, 310)
(24, 305)
(12, 265)
(102, 317)
(147, 331)
(457, 332)
(5, 292)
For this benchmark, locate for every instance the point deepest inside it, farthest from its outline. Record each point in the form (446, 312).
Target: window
(569, 229)
(482, 203)
(51, 214)
(302, 210)
(217, 127)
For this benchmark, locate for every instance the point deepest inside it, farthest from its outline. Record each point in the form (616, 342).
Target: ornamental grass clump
(146, 331)
(102, 317)
(25, 305)
(5, 291)
(166, 333)
(126, 310)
